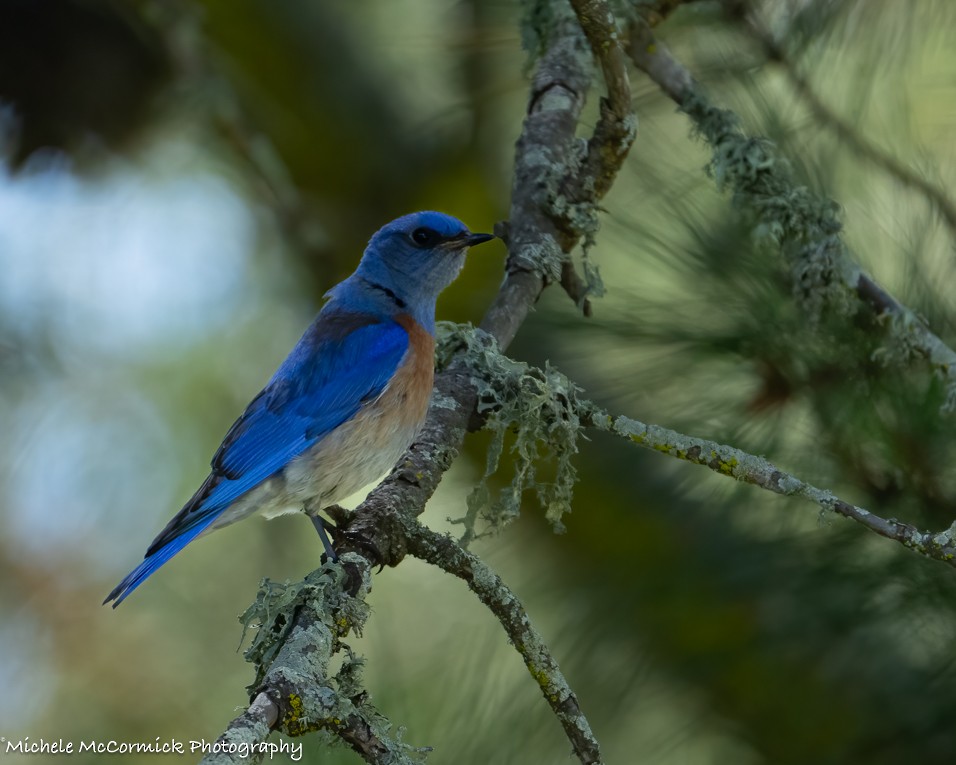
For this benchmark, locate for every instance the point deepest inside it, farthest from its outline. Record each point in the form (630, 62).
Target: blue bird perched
(347, 401)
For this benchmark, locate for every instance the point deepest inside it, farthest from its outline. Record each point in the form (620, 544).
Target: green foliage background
(698, 621)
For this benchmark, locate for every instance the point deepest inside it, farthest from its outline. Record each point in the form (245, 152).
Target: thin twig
(755, 470)
(617, 125)
(719, 128)
(443, 551)
(844, 130)
(574, 286)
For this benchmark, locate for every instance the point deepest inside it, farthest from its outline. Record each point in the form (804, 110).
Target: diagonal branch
(250, 728)
(617, 125)
(296, 693)
(757, 471)
(560, 415)
(775, 51)
(804, 226)
(536, 238)
(443, 551)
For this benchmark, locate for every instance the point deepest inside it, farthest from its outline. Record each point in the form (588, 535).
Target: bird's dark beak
(472, 239)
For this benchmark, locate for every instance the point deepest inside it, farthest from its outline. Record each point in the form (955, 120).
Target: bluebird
(347, 401)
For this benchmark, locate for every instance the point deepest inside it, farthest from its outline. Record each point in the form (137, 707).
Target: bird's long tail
(152, 562)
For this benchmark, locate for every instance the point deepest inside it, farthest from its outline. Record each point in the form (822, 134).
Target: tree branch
(555, 413)
(774, 51)
(302, 627)
(617, 125)
(443, 551)
(558, 415)
(536, 238)
(802, 225)
(250, 728)
(749, 468)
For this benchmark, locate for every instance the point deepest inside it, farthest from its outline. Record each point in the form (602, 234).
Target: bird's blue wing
(321, 385)
(342, 361)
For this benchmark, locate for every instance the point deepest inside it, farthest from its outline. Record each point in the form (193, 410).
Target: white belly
(354, 455)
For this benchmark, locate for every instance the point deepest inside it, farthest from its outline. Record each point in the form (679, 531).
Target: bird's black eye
(426, 237)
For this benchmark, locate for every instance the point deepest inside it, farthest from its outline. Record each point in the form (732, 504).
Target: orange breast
(412, 384)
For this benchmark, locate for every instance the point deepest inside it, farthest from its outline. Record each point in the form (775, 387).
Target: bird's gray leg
(320, 526)
(341, 516)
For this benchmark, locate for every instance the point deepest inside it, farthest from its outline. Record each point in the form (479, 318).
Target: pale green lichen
(537, 21)
(322, 701)
(945, 538)
(949, 403)
(273, 612)
(532, 416)
(807, 230)
(905, 335)
(593, 283)
(442, 402)
(544, 258)
(804, 225)
(579, 216)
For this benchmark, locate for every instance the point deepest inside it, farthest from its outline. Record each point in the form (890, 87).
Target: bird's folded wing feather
(338, 365)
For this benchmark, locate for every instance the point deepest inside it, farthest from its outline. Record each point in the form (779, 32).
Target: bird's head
(415, 257)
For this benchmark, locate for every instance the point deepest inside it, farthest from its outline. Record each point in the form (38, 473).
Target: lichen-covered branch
(537, 240)
(557, 182)
(299, 628)
(443, 551)
(617, 125)
(249, 729)
(542, 407)
(801, 224)
(531, 411)
(749, 468)
(869, 151)
(549, 411)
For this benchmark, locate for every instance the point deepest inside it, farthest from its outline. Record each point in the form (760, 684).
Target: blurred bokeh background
(180, 182)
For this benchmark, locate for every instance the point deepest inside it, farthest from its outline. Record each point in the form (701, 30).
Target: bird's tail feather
(152, 562)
